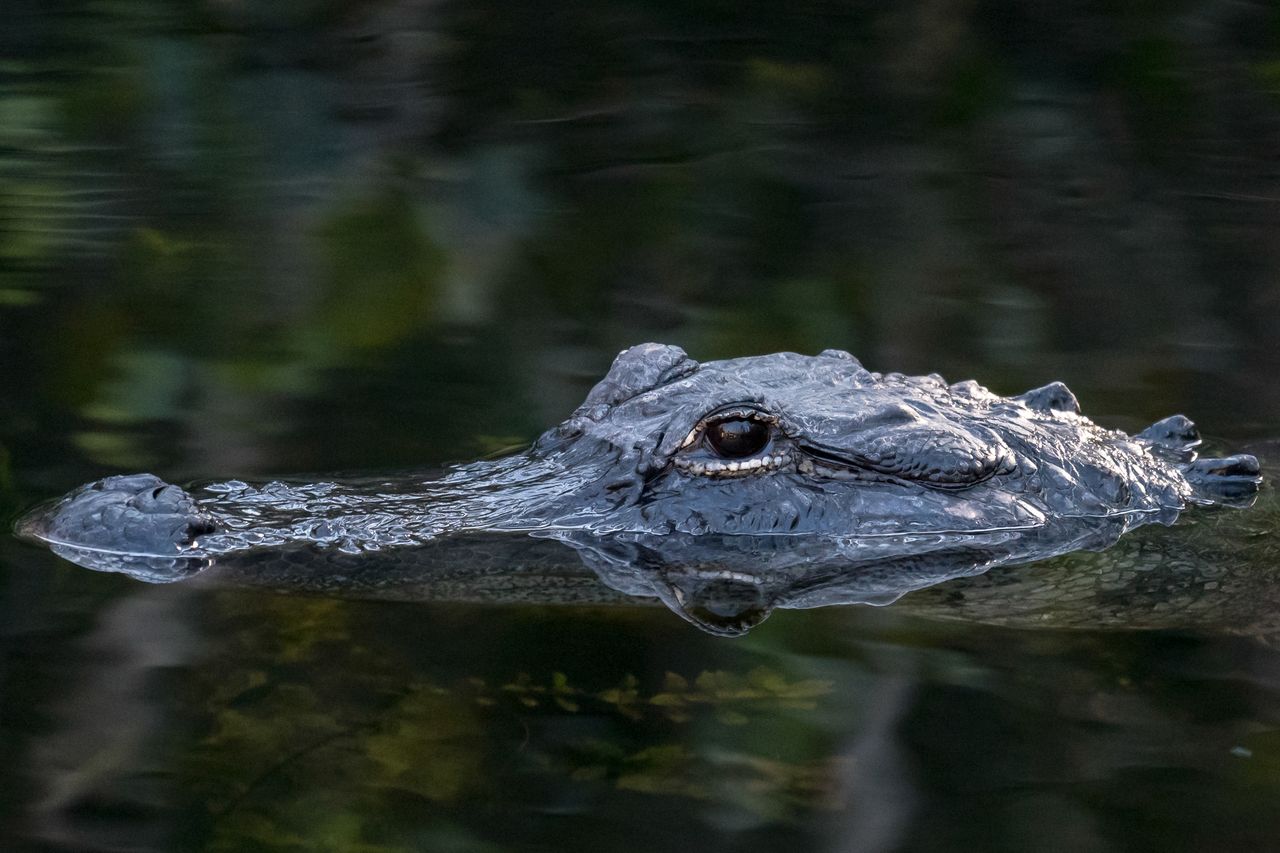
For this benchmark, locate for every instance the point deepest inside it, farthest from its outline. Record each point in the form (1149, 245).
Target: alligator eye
(736, 438)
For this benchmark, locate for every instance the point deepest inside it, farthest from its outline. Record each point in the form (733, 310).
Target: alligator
(738, 476)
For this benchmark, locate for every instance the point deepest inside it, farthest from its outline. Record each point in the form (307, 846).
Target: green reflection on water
(311, 722)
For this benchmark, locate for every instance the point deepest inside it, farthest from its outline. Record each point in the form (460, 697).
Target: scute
(1054, 397)
(1176, 432)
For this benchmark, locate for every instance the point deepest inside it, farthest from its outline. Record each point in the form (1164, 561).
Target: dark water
(257, 239)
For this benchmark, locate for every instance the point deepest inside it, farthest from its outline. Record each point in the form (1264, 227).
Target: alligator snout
(136, 514)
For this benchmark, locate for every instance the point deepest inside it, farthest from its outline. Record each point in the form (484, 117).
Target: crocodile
(798, 470)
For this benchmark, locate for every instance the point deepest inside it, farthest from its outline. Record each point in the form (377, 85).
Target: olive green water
(257, 239)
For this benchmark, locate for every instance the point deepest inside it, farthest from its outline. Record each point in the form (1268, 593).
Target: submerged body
(683, 459)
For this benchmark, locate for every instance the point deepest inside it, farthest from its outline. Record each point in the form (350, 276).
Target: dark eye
(735, 438)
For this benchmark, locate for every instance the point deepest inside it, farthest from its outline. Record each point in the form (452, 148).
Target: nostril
(157, 491)
(200, 527)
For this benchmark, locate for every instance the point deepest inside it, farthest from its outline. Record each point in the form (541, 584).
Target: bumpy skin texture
(865, 453)
(848, 453)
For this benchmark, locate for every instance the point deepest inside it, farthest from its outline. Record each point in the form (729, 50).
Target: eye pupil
(738, 437)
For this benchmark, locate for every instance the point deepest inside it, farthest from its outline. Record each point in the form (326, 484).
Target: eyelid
(737, 412)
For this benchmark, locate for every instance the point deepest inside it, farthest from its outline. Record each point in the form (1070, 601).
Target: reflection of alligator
(1218, 573)
(803, 464)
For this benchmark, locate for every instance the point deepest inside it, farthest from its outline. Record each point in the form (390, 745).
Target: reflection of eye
(737, 438)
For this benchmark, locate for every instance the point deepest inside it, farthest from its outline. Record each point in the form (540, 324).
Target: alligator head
(780, 446)
(792, 444)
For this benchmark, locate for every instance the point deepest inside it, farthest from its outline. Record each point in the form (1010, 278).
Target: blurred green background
(254, 238)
